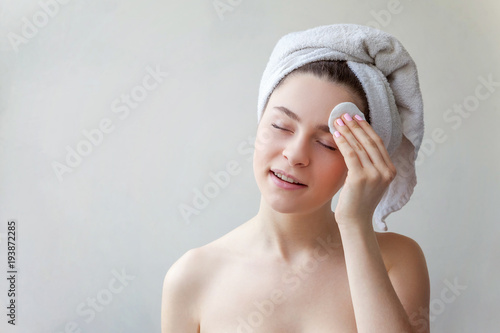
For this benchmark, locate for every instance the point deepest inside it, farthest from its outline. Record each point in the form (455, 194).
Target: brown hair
(336, 72)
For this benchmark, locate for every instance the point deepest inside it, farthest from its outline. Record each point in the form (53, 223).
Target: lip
(283, 184)
(281, 172)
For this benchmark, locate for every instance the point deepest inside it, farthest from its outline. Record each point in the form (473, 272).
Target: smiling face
(293, 139)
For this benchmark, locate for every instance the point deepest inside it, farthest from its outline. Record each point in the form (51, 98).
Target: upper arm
(179, 312)
(410, 278)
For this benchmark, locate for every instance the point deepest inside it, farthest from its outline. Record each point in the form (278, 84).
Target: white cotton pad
(340, 109)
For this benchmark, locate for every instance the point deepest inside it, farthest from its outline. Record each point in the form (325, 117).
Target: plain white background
(117, 210)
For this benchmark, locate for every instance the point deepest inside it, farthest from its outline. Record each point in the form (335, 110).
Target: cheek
(264, 138)
(335, 170)
(262, 149)
(268, 143)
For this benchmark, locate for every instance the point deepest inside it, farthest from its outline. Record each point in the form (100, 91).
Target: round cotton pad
(339, 110)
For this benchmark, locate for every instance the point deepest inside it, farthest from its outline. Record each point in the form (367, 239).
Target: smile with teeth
(285, 178)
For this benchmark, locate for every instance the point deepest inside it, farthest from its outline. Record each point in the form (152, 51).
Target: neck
(293, 235)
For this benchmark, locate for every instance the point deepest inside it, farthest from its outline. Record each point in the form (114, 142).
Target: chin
(284, 207)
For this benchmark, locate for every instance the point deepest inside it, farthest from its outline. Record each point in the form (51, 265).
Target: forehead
(310, 96)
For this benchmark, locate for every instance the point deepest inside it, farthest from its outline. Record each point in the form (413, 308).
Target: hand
(370, 171)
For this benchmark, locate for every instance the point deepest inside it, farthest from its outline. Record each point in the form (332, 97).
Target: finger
(378, 141)
(355, 147)
(354, 155)
(373, 150)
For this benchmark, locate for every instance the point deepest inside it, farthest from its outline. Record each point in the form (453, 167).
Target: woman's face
(293, 138)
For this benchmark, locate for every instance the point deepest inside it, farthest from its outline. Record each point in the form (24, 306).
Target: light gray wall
(116, 211)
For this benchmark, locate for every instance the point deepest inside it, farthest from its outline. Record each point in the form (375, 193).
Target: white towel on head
(389, 77)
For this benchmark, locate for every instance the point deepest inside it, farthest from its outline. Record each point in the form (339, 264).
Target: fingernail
(358, 117)
(340, 122)
(337, 134)
(347, 117)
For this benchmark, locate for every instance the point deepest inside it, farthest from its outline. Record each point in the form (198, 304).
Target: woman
(297, 266)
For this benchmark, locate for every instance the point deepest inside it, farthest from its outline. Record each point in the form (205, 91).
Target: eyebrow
(294, 116)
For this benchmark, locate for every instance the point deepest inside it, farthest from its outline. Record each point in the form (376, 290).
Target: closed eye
(284, 129)
(326, 146)
(281, 128)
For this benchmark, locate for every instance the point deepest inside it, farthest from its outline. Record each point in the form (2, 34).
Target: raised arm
(383, 301)
(394, 301)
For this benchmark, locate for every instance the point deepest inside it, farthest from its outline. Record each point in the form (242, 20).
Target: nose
(296, 152)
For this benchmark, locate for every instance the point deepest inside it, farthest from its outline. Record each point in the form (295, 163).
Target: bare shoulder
(179, 310)
(191, 270)
(398, 249)
(183, 287)
(189, 281)
(194, 265)
(407, 270)
(185, 269)
(189, 275)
